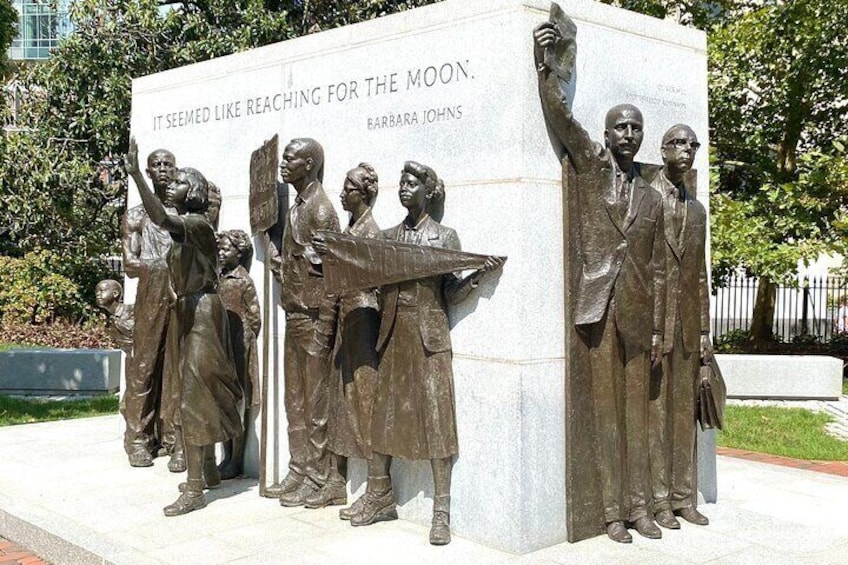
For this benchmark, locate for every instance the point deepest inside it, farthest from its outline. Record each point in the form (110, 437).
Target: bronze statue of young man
(150, 396)
(619, 306)
(687, 328)
(310, 323)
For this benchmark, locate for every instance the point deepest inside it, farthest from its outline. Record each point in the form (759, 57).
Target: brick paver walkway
(839, 468)
(12, 554)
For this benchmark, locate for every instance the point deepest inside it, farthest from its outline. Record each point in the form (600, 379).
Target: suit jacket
(687, 290)
(303, 286)
(620, 256)
(429, 296)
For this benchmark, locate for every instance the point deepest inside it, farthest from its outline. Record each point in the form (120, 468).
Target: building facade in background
(41, 24)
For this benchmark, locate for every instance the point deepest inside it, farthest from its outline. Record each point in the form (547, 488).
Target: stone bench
(786, 377)
(60, 371)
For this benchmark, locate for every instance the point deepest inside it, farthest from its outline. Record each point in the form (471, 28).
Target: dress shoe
(177, 464)
(440, 530)
(617, 532)
(646, 528)
(353, 509)
(331, 494)
(140, 457)
(298, 496)
(666, 519)
(376, 508)
(187, 502)
(692, 516)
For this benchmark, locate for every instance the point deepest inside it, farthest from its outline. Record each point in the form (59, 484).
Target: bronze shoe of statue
(291, 483)
(666, 519)
(177, 464)
(188, 501)
(298, 496)
(140, 457)
(617, 532)
(646, 528)
(691, 515)
(331, 494)
(376, 508)
(353, 509)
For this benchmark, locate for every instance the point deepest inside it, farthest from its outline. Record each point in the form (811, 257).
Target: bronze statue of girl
(210, 388)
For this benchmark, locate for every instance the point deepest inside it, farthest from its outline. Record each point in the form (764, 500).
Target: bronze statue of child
(237, 292)
(120, 320)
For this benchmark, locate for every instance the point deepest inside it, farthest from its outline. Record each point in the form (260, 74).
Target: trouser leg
(294, 397)
(171, 394)
(145, 375)
(606, 362)
(659, 434)
(683, 437)
(637, 373)
(317, 411)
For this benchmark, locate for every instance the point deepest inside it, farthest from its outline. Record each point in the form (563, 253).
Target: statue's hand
(493, 263)
(131, 158)
(546, 34)
(319, 243)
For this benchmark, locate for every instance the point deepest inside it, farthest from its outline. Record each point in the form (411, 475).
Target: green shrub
(42, 288)
(734, 341)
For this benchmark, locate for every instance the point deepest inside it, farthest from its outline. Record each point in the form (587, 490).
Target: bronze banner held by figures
(354, 262)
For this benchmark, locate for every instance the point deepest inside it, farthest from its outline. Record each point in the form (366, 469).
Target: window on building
(41, 24)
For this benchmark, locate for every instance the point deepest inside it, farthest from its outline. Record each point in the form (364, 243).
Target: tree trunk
(762, 320)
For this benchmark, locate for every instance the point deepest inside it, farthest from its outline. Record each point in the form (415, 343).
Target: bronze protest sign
(263, 186)
(354, 262)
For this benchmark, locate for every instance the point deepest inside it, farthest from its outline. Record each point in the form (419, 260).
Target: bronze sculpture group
(641, 306)
(368, 370)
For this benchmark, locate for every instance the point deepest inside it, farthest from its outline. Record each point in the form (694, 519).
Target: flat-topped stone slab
(787, 377)
(60, 371)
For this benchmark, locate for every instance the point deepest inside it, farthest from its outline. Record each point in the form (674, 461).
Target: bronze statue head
(679, 145)
(302, 162)
(360, 186)
(421, 186)
(234, 248)
(189, 192)
(161, 168)
(623, 133)
(108, 293)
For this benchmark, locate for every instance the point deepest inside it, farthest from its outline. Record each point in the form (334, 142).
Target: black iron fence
(816, 307)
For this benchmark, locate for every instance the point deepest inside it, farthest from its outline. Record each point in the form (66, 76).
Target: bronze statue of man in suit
(310, 323)
(618, 310)
(687, 328)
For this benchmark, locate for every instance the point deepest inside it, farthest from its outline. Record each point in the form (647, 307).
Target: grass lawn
(845, 386)
(25, 411)
(7, 346)
(789, 432)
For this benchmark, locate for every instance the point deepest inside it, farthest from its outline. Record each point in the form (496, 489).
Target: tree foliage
(779, 100)
(8, 30)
